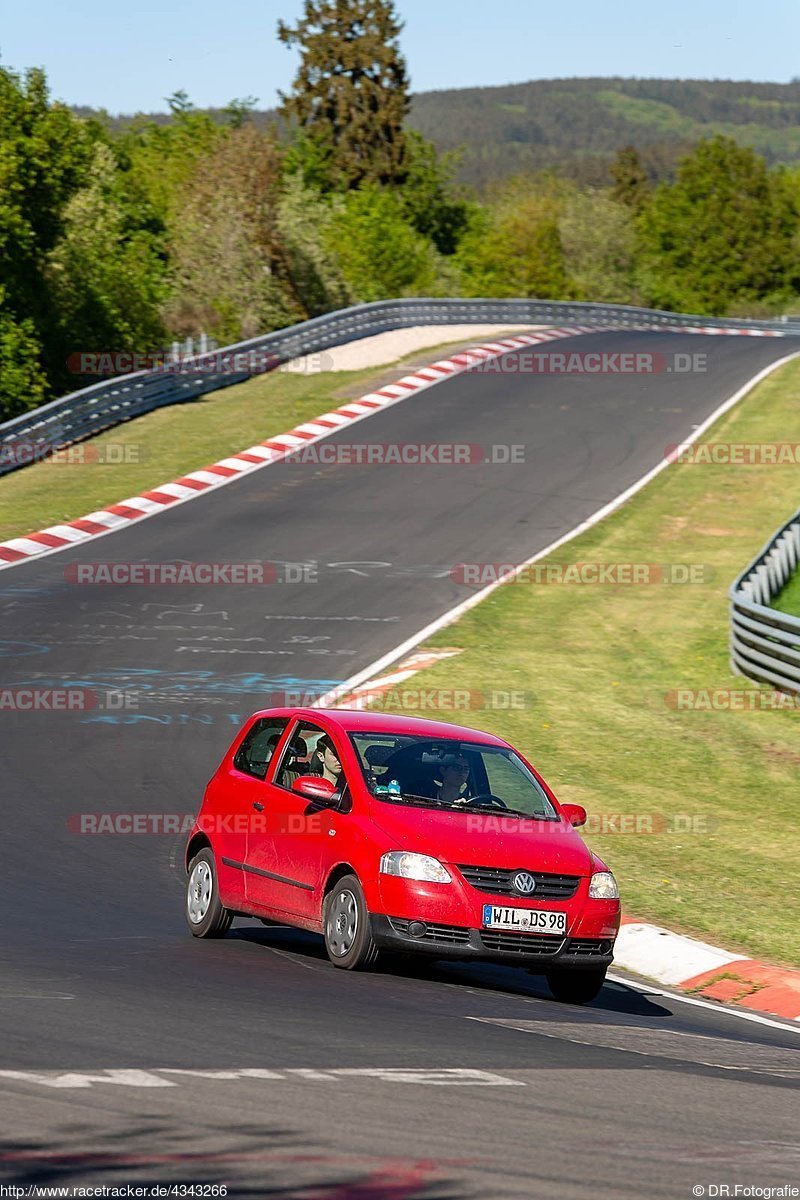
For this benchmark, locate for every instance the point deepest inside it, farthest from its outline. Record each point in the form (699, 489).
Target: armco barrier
(103, 405)
(765, 643)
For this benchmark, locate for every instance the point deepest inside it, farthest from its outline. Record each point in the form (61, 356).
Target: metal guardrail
(103, 405)
(765, 642)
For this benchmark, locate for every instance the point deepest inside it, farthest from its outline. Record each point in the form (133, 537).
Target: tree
(23, 385)
(227, 261)
(724, 234)
(380, 254)
(351, 89)
(44, 153)
(107, 273)
(306, 222)
(631, 184)
(513, 247)
(429, 200)
(598, 237)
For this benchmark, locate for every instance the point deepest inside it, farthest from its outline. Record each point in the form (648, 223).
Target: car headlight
(603, 886)
(414, 866)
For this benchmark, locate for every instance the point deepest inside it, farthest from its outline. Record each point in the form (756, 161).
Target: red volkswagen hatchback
(382, 831)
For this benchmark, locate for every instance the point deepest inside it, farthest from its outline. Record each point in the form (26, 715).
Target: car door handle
(258, 807)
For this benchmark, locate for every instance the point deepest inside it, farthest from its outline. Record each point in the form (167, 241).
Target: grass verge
(788, 599)
(600, 666)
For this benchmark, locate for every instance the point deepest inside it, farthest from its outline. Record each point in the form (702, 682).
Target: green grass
(174, 440)
(788, 599)
(601, 661)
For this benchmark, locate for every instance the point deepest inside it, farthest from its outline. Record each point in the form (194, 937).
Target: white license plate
(525, 920)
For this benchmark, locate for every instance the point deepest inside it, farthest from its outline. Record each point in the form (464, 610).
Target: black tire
(202, 899)
(346, 927)
(575, 987)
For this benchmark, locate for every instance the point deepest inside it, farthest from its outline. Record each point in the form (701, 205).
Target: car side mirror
(574, 813)
(316, 787)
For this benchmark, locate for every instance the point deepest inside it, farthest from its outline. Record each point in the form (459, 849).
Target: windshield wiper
(502, 812)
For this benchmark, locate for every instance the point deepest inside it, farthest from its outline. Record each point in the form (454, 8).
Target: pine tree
(350, 94)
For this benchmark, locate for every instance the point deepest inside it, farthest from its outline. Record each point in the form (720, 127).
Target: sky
(127, 57)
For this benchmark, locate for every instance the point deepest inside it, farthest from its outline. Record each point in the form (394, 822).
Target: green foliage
(598, 238)
(631, 184)
(724, 234)
(429, 201)
(44, 151)
(514, 248)
(227, 261)
(106, 275)
(351, 89)
(22, 382)
(378, 250)
(160, 159)
(307, 228)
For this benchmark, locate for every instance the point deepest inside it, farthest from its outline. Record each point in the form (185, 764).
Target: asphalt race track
(130, 1053)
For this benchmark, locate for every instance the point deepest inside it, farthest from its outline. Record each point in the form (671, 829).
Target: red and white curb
(649, 950)
(707, 971)
(263, 454)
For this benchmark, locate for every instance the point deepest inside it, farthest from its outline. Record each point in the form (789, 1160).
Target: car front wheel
(205, 914)
(346, 926)
(575, 987)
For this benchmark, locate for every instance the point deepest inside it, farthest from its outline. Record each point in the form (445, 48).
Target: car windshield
(451, 775)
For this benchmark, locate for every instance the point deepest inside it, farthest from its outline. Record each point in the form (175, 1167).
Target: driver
(455, 772)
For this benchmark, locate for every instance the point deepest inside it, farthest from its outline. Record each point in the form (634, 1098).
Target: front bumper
(525, 949)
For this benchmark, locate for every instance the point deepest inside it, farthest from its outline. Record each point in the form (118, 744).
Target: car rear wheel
(575, 987)
(346, 926)
(205, 914)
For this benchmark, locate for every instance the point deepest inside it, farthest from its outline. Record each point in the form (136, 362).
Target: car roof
(353, 720)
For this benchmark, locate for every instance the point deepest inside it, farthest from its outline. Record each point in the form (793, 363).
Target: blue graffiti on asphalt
(152, 679)
(14, 649)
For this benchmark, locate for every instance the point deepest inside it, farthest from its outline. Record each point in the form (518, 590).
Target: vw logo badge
(524, 883)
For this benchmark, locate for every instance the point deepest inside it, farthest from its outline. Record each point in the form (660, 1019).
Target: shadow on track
(308, 948)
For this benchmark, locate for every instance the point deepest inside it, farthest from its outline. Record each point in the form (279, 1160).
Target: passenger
(325, 761)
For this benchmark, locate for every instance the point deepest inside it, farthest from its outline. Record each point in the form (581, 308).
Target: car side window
(256, 750)
(304, 754)
(300, 756)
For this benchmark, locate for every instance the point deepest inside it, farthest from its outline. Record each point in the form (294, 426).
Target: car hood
(495, 841)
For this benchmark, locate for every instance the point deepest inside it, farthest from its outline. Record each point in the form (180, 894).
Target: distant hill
(575, 126)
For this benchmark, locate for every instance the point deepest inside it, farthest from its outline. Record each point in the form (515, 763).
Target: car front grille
(453, 935)
(497, 880)
(589, 947)
(520, 943)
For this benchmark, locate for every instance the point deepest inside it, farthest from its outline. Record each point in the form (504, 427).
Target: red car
(391, 832)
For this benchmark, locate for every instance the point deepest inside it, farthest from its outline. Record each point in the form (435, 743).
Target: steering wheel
(495, 801)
